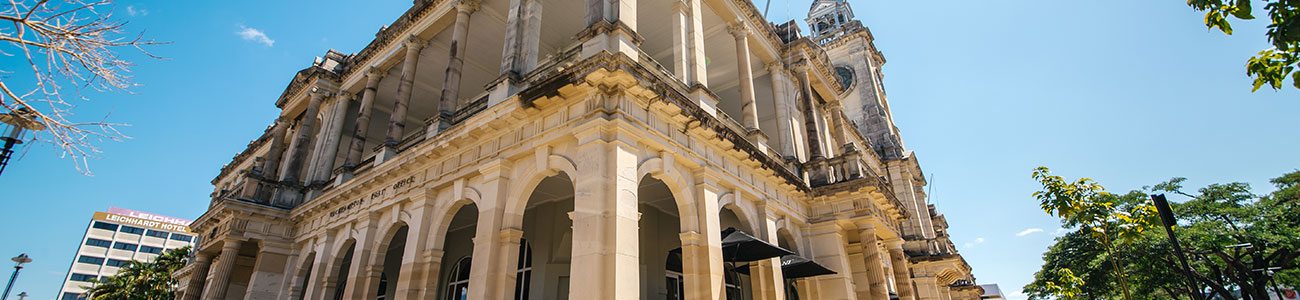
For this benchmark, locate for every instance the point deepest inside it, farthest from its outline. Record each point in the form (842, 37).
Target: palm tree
(142, 280)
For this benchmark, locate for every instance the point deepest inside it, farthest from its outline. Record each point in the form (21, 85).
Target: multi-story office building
(117, 237)
(582, 149)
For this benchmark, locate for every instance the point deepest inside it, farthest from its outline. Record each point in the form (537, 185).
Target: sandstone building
(582, 149)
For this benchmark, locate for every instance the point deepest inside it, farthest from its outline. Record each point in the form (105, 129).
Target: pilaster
(605, 233)
(268, 272)
(492, 272)
(828, 248)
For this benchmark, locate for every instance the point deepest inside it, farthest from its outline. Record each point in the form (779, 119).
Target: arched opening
(458, 246)
(337, 284)
(545, 251)
(392, 264)
(660, 240)
(786, 241)
(736, 283)
(305, 272)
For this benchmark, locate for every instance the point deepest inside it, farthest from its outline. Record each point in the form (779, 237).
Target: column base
(707, 101)
(437, 124)
(384, 153)
(503, 88)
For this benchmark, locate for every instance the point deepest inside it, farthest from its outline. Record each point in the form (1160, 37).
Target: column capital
(346, 97)
(511, 235)
(412, 42)
(894, 243)
(318, 93)
(737, 30)
(774, 66)
(467, 6)
(681, 5)
(373, 72)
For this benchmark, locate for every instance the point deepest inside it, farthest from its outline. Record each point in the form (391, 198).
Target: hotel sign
(148, 216)
(147, 223)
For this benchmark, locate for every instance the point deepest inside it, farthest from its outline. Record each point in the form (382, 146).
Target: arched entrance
(545, 251)
(660, 240)
(392, 264)
(458, 247)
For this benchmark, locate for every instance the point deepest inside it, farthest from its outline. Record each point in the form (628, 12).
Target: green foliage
(142, 280)
(1272, 66)
(1211, 219)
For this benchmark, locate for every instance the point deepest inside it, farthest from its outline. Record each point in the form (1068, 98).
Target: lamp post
(17, 121)
(1167, 219)
(20, 259)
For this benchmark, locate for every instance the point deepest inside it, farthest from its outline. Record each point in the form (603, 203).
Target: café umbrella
(738, 246)
(795, 267)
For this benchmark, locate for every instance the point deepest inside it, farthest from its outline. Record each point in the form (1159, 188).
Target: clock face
(845, 74)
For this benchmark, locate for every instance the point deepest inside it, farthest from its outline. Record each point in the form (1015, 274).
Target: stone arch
(732, 202)
(303, 277)
(443, 221)
(786, 240)
(391, 241)
(534, 174)
(338, 270)
(666, 171)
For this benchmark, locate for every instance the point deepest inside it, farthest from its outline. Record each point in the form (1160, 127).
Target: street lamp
(20, 259)
(17, 121)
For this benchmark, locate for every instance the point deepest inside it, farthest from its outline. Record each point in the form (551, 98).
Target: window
(182, 237)
(845, 75)
(90, 260)
(117, 263)
(524, 270)
(81, 277)
(70, 296)
(458, 284)
(732, 282)
(147, 249)
(673, 272)
(98, 243)
(105, 226)
(155, 233)
(124, 246)
(134, 230)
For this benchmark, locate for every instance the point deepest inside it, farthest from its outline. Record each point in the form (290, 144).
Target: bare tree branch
(70, 43)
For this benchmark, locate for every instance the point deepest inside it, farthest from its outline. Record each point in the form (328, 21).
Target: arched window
(673, 272)
(458, 280)
(524, 271)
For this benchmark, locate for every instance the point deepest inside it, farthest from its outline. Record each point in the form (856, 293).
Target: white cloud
(1028, 231)
(1017, 295)
(1060, 231)
(977, 241)
(253, 34)
(132, 11)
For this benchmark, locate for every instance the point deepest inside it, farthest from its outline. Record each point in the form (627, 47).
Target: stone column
(523, 28)
(271, 167)
(302, 137)
(872, 260)
(410, 281)
(702, 247)
(268, 273)
(810, 114)
(781, 102)
(362, 270)
(363, 119)
(431, 273)
(681, 18)
(605, 239)
(198, 276)
(902, 270)
(225, 265)
(490, 274)
(927, 288)
(333, 136)
(695, 44)
(397, 121)
(767, 279)
(837, 124)
(829, 249)
(451, 83)
(749, 110)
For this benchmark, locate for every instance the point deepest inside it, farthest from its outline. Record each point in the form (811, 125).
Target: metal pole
(1167, 218)
(11, 282)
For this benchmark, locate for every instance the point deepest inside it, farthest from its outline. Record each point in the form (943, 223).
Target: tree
(142, 280)
(69, 46)
(1104, 216)
(1215, 224)
(1272, 66)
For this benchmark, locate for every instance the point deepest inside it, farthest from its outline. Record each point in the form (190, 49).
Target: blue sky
(1126, 92)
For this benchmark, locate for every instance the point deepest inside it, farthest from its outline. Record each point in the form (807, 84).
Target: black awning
(738, 246)
(794, 266)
